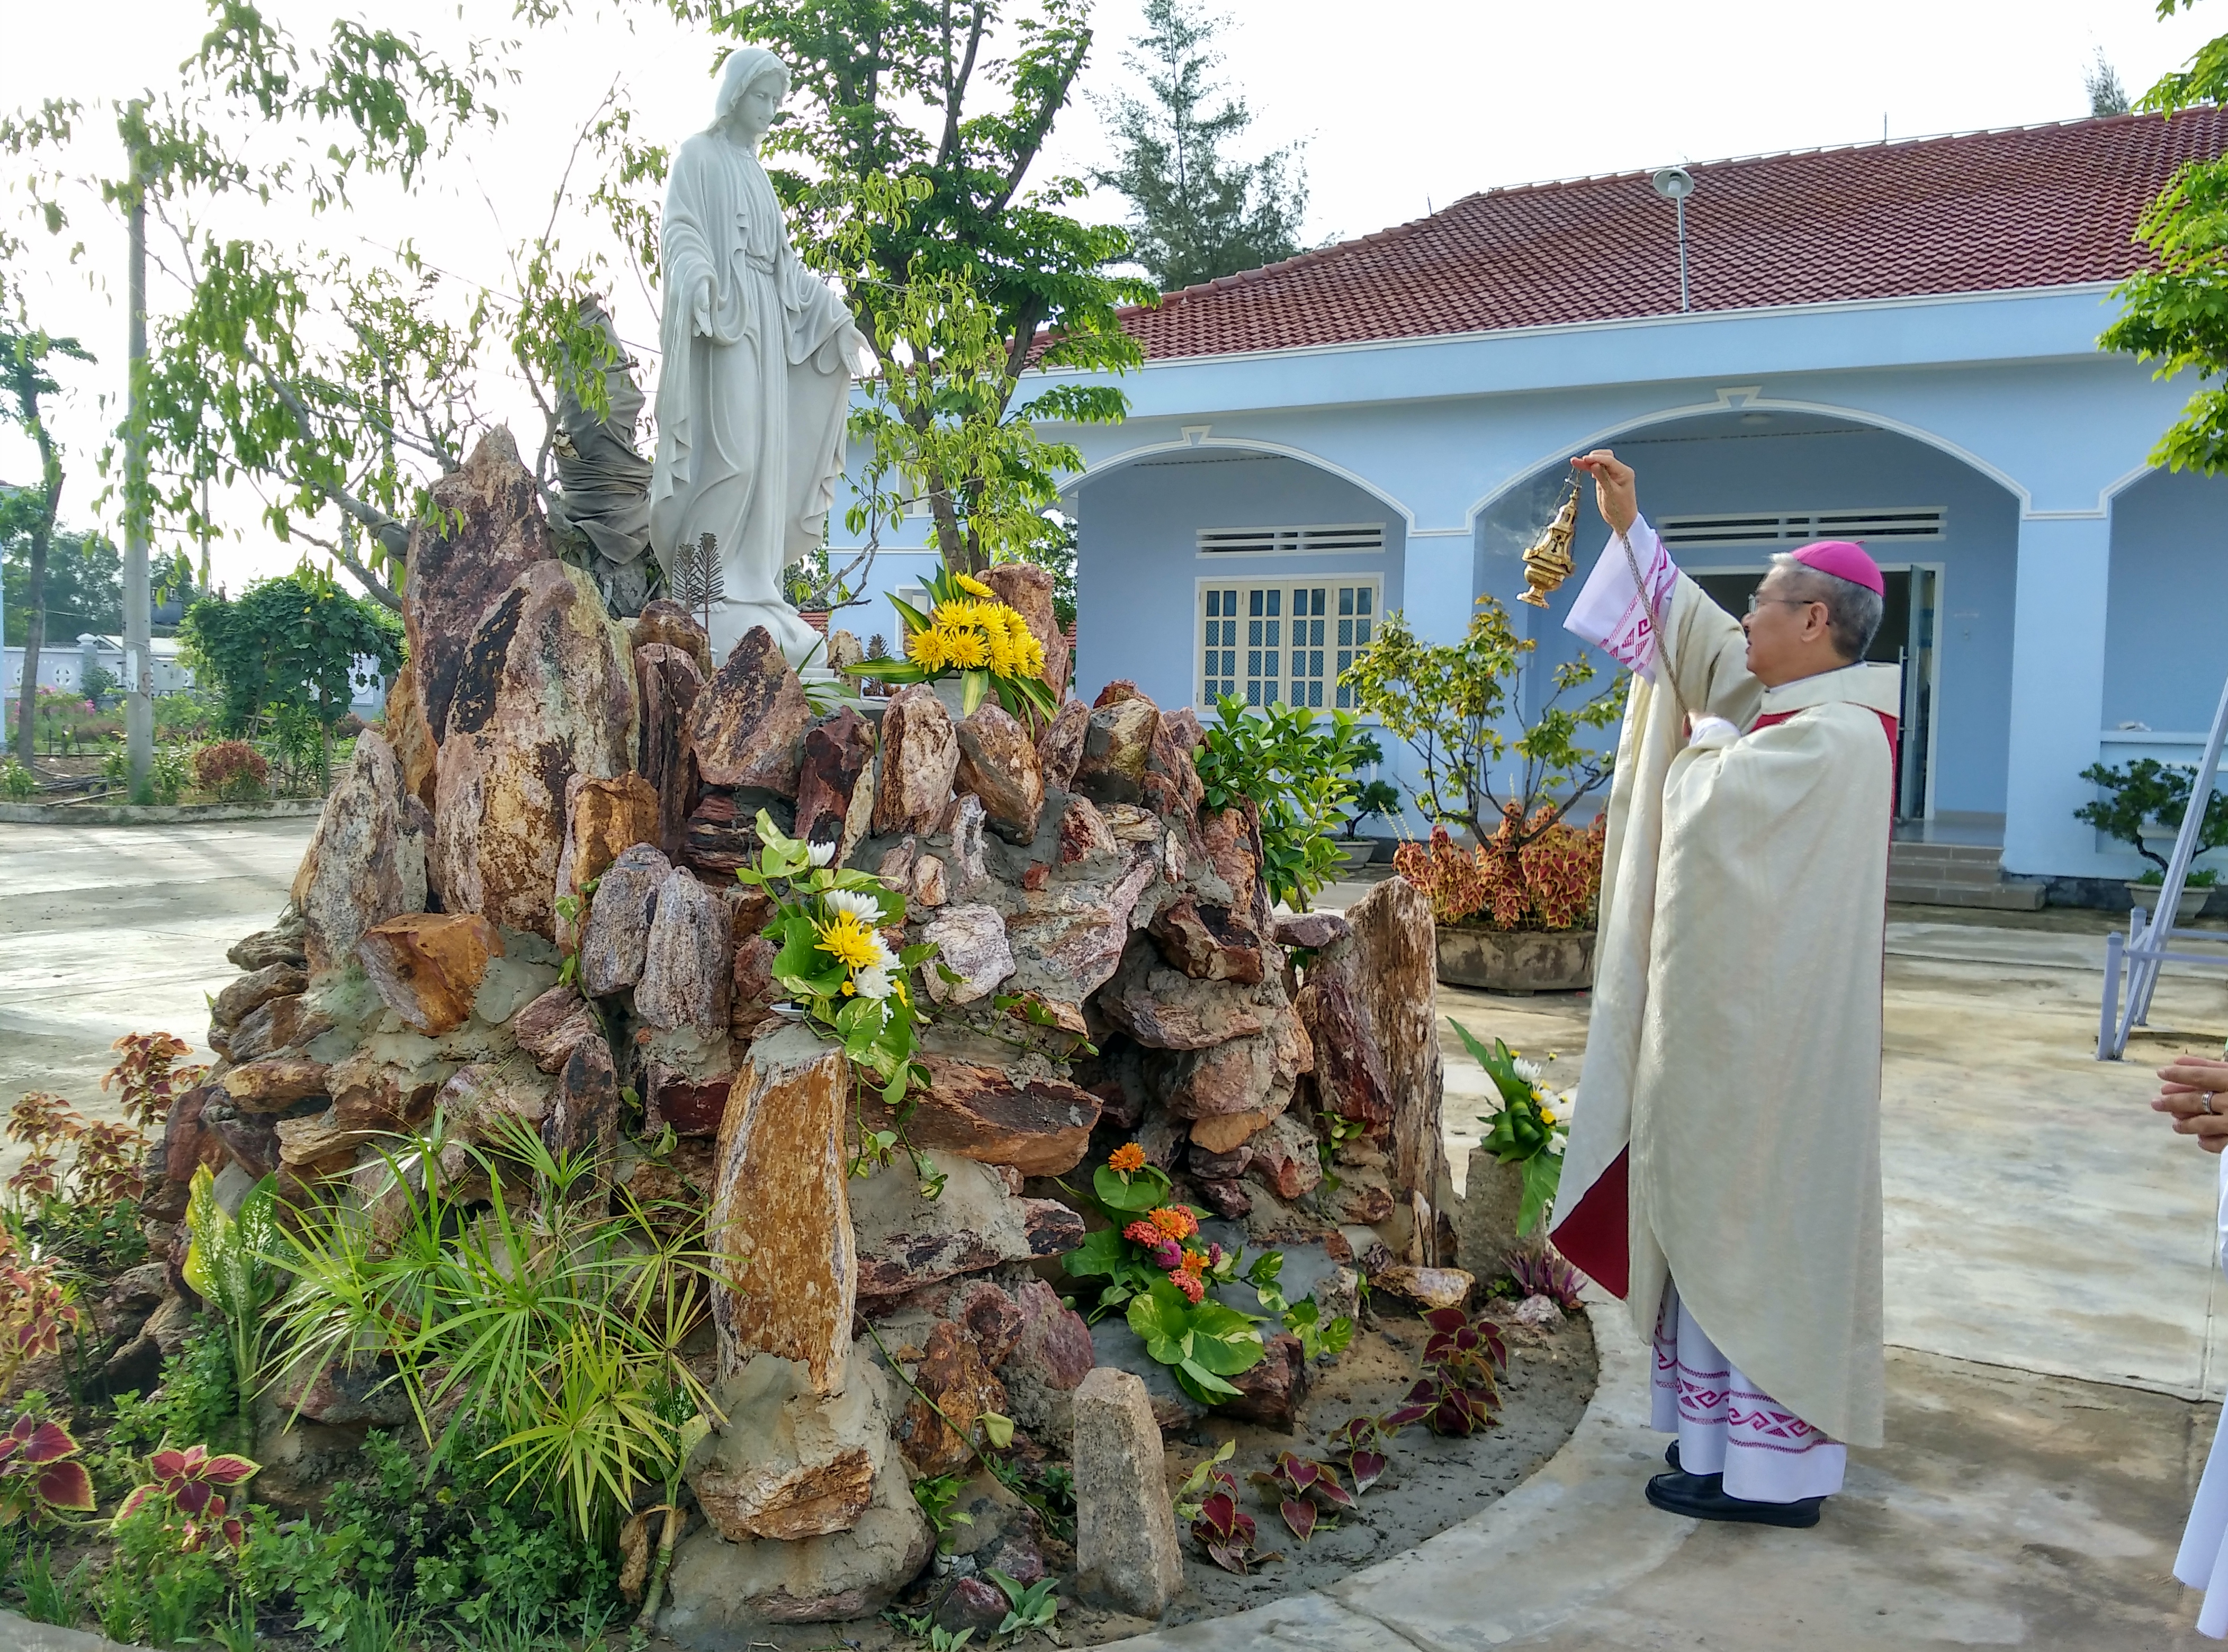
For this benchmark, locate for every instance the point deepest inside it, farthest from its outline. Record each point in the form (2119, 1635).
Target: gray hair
(1852, 611)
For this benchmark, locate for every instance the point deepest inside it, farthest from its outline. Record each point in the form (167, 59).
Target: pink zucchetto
(1844, 561)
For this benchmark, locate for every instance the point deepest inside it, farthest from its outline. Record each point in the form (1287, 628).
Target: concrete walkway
(109, 930)
(2051, 1302)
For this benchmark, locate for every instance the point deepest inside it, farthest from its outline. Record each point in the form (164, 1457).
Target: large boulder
(603, 817)
(427, 967)
(1037, 1124)
(616, 937)
(906, 1241)
(1068, 939)
(688, 959)
(998, 764)
(1027, 590)
(665, 623)
(722, 1590)
(402, 721)
(1116, 745)
(953, 1388)
(1396, 959)
(484, 530)
(544, 692)
(972, 944)
(787, 1462)
(780, 1221)
(1166, 1010)
(668, 682)
(1050, 1358)
(745, 725)
(1059, 744)
(1126, 1553)
(835, 784)
(920, 759)
(366, 861)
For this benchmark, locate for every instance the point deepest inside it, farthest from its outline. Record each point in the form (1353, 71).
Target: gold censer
(1548, 563)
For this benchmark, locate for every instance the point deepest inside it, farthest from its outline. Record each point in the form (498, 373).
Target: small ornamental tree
(292, 643)
(1454, 703)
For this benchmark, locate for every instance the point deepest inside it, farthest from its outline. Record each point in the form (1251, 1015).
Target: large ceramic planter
(2192, 902)
(1516, 961)
(1358, 855)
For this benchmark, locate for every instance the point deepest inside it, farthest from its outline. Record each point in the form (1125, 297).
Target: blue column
(2058, 692)
(1435, 585)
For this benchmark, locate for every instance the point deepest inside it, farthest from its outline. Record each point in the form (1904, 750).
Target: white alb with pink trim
(1728, 1426)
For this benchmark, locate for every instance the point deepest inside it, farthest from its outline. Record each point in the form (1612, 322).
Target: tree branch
(375, 587)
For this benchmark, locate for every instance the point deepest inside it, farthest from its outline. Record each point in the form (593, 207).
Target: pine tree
(2106, 95)
(1196, 215)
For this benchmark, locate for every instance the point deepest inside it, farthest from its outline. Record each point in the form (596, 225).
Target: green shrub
(2148, 792)
(17, 783)
(1296, 768)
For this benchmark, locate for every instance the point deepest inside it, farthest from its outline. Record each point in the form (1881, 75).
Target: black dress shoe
(1702, 1496)
(1671, 1456)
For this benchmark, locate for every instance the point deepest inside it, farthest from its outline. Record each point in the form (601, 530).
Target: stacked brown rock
(561, 941)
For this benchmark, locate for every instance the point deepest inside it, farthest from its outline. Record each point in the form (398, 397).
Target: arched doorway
(1729, 490)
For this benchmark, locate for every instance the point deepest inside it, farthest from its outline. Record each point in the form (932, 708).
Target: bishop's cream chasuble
(1727, 1128)
(2203, 1562)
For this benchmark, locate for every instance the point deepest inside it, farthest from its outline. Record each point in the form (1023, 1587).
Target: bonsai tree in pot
(1454, 703)
(2147, 792)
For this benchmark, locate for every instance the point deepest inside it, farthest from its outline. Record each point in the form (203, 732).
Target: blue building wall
(2077, 590)
(1138, 565)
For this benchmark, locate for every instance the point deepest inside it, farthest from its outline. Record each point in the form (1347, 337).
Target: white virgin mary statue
(759, 357)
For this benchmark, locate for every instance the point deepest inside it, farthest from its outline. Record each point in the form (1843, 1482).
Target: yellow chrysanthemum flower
(960, 611)
(927, 647)
(967, 650)
(851, 942)
(969, 582)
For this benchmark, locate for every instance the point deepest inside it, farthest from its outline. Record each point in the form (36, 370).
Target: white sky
(1445, 97)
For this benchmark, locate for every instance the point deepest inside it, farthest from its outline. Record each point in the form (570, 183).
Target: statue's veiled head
(752, 86)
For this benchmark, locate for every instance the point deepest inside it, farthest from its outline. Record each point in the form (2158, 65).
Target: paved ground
(108, 930)
(2051, 1295)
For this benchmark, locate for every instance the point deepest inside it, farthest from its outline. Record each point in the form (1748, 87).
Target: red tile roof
(2029, 207)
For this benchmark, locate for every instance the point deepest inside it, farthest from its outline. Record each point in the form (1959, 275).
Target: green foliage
(17, 783)
(552, 1329)
(1303, 1319)
(1452, 703)
(1030, 1608)
(196, 1398)
(936, 1494)
(169, 771)
(61, 1600)
(83, 590)
(833, 961)
(1196, 217)
(227, 1265)
(2146, 792)
(2175, 314)
(1297, 771)
(1530, 1128)
(1202, 1343)
(289, 642)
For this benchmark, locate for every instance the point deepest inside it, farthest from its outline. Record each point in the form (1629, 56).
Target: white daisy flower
(1530, 1072)
(874, 982)
(857, 902)
(822, 854)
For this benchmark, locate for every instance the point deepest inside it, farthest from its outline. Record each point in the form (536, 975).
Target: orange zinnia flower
(1173, 1220)
(1127, 1158)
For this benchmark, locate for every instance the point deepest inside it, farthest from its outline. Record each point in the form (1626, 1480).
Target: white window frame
(1243, 679)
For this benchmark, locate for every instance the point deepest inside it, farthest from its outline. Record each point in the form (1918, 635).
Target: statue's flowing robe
(750, 415)
(1726, 1133)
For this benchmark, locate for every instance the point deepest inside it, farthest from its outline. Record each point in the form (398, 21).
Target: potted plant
(2148, 792)
(1516, 906)
(1372, 798)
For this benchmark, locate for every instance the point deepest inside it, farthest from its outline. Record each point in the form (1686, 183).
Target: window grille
(1799, 528)
(1287, 641)
(1350, 539)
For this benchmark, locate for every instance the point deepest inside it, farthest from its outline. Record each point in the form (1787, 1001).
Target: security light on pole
(1674, 184)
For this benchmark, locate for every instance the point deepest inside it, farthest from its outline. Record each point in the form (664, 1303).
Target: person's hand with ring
(2190, 1092)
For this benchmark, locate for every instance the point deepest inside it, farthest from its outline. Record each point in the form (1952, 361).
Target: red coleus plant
(38, 1476)
(192, 1482)
(1360, 1438)
(35, 1310)
(147, 1077)
(1223, 1529)
(1305, 1491)
(1456, 1394)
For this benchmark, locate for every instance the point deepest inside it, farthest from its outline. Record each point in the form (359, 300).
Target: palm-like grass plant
(525, 1315)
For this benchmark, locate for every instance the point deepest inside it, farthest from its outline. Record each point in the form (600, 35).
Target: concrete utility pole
(138, 606)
